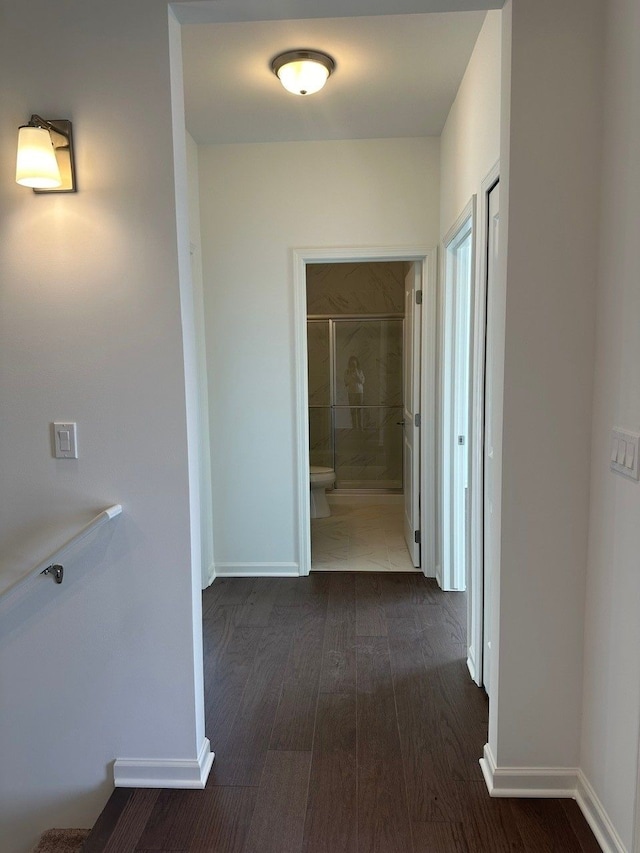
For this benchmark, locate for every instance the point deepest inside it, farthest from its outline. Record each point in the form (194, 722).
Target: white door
(492, 436)
(411, 411)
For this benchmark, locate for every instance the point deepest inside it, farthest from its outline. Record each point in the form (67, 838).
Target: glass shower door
(367, 397)
(319, 377)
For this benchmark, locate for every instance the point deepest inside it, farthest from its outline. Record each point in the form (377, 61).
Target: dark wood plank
(581, 828)
(383, 814)
(240, 756)
(490, 819)
(278, 818)
(130, 827)
(295, 718)
(172, 821)
(544, 827)
(225, 679)
(331, 822)
(338, 673)
(109, 817)
(370, 616)
(226, 591)
(440, 837)
(432, 795)
(224, 820)
(403, 591)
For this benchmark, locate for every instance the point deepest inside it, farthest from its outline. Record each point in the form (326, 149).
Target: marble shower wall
(364, 445)
(374, 288)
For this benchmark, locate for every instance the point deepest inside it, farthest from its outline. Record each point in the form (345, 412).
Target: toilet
(321, 479)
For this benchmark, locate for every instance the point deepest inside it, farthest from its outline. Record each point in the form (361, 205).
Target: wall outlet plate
(624, 453)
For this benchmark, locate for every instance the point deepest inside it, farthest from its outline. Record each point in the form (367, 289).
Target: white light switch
(65, 440)
(624, 453)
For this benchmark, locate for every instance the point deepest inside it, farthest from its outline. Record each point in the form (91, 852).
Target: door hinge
(418, 537)
(461, 439)
(417, 420)
(418, 297)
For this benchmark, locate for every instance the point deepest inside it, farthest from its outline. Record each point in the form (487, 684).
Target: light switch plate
(65, 440)
(624, 453)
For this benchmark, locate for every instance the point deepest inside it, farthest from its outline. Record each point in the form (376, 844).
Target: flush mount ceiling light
(45, 156)
(303, 72)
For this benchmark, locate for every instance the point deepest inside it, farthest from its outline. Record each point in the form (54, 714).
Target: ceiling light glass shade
(303, 72)
(36, 164)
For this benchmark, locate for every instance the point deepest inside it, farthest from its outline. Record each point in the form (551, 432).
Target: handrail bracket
(56, 571)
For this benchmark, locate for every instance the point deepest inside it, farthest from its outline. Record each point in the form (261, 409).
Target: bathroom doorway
(353, 345)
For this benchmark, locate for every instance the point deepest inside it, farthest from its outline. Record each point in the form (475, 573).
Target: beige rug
(62, 841)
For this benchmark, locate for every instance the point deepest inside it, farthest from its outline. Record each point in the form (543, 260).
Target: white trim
(597, 817)
(471, 664)
(257, 570)
(545, 782)
(476, 553)
(428, 379)
(527, 781)
(451, 399)
(300, 258)
(210, 575)
(164, 772)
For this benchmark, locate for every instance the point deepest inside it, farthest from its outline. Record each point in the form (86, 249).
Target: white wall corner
(471, 666)
(164, 773)
(597, 817)
(210, 576)
(527, 781)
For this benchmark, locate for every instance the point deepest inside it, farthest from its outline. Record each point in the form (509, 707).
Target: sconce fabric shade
(45, 158)
(303, 72)
(36, 164)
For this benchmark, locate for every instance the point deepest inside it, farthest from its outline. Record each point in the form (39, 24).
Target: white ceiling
(396, 76)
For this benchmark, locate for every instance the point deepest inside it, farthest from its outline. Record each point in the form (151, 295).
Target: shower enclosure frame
(332, 320)
(426, 258)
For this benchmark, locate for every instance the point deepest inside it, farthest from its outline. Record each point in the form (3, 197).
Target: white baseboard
(565, 782)
(527, 781)
(439, 575)
(365, 499)
(597, 818)
(471, 665)
(164, 772)
(209, 576)
(257, 570)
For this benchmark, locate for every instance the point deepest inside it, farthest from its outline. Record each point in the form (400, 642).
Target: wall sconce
(45, 156)
(303, 72)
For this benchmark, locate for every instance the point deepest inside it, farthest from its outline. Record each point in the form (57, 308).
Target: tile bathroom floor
(360, 538)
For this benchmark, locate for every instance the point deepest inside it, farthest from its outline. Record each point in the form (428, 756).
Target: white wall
(206, 512)
(549, 157)
(258, 202)
(469, 148)
(470, 142)
(612, 629)
(102, 667)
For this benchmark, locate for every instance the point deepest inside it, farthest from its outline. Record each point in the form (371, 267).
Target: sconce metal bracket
(62, 139)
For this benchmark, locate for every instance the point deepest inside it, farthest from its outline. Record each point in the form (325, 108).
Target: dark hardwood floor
(344, 721)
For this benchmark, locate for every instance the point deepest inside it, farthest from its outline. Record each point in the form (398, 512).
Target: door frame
(476, 602)
(449, 579)
(427, 258)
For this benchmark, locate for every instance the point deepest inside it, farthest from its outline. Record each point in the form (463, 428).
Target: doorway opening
(355, 343)
(354, 372)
